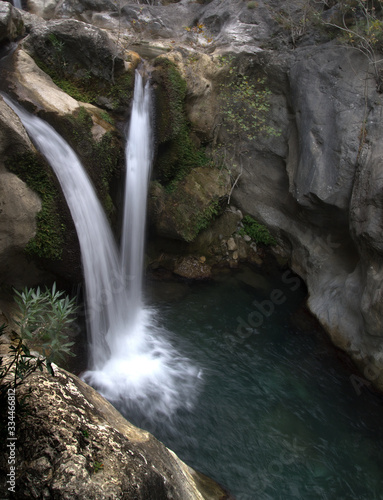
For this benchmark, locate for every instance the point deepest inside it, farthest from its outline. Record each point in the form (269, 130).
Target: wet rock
(231, 245)
(192, 268)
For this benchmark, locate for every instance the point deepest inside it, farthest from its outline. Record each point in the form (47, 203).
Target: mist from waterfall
(132, 360)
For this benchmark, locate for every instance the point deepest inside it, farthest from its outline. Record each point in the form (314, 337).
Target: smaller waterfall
(17, 4)
(133, 362)
(139, 155)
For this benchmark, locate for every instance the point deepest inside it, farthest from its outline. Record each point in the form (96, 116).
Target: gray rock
(231, 245)
(57, 42)
(11, 24)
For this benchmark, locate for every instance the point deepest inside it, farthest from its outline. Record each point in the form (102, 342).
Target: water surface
(277, 415)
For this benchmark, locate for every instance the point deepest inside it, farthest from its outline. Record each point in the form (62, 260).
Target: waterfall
(17, 4)
(133, 362)
(139, 155)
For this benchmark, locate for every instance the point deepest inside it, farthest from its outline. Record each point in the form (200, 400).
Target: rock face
(193, 204)
(19, 204)
(73, 444)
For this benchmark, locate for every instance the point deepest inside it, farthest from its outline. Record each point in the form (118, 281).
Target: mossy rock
(95, 74)
(36, 173)
(191, 207)
(102, 156)
(177, 154)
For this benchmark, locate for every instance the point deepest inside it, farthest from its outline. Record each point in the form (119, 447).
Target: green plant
(252, 5)
(204, 219)
(58, 53)
(98, 466)
(360, 22)
(246, 105)
(20, 365)
(256, 231)
(44, 320)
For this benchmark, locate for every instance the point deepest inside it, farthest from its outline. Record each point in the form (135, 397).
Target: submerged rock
(73, 444)
(192, 268)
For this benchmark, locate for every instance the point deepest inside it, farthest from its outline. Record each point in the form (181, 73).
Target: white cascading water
(132, 362)
(139, 156)
(17, 4)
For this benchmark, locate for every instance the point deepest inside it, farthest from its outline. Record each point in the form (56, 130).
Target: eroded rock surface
(73, 444)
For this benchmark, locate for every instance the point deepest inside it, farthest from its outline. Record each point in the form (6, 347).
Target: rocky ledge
(72, 443)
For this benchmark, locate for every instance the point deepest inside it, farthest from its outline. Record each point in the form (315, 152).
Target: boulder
(34, 87)
(56, 44)
(192, 268)
(190, 207)
(72, 443)
(11, 23)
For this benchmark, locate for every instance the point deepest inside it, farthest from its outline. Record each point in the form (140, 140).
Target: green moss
(107, 118)
(108, 155)
(121, 91)
(89, 88)
(100, 158)
(256, 231)
(177, 154)
(49, 239)
(204, 218)
(177, 157)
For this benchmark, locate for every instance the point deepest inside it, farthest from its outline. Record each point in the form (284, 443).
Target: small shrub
(44, 320)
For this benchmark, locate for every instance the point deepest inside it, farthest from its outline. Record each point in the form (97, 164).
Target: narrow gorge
(247, 190)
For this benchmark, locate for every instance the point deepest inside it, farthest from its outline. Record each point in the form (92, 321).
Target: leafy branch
(363, 29)
(44, 319)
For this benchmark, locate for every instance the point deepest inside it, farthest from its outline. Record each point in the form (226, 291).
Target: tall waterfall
(133, 364)
(139, 153)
